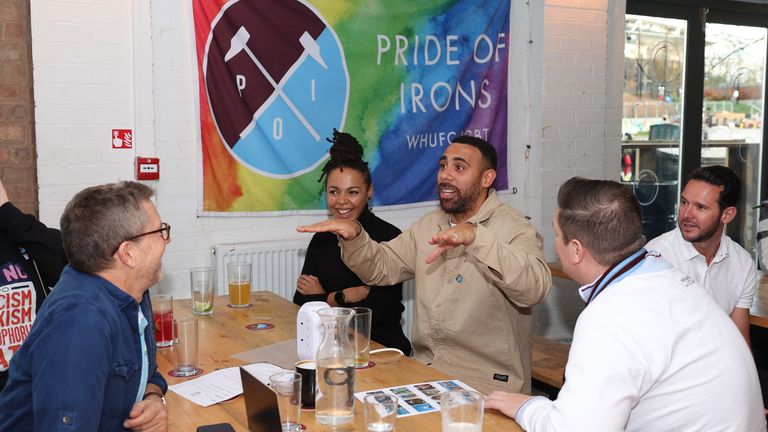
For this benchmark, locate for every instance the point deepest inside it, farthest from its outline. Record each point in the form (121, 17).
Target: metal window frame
(697, 13)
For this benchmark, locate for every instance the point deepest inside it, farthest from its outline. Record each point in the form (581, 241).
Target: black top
(324, 261)
(22, 240)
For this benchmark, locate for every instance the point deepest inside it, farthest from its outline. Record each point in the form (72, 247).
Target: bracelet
(160, 395)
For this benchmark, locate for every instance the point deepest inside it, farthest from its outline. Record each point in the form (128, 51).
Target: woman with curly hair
(324, 277)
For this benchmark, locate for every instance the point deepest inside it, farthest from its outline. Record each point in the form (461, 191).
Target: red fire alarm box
(147, 168)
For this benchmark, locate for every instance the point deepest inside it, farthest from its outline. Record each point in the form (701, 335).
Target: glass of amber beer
(239, 277)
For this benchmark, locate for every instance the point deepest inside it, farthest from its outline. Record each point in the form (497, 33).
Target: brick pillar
(18, 157)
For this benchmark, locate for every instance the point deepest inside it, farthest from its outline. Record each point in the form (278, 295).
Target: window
(654, 61)
(694, 95)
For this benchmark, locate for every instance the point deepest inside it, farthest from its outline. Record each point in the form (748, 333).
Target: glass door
(654, 66)
(733, 114)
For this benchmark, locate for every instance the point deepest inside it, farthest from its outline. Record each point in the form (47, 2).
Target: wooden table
(223, 335)
(548, 364)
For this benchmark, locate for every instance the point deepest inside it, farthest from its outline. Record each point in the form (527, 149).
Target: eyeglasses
(165, 233)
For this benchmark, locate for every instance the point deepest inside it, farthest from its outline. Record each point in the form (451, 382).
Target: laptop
(260, 404)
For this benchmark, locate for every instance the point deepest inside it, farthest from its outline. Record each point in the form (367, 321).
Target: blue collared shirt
(81, 365)
(144, 359)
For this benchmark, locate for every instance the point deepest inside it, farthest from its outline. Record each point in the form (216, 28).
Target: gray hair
(98, 219)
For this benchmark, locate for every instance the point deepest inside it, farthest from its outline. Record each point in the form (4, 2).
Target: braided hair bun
(346, 152)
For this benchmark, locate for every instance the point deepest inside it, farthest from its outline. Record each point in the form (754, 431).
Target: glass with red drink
(162, 311)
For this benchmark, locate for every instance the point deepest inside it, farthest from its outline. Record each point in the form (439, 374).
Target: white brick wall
(81, 90)
(575, 110)
(103, 64)
(582, 68)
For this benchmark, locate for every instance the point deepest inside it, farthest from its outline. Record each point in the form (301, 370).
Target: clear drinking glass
(185, 351)
(462, 411)
(201, 279)
(239, 278)
(380, 412)
(287, 385)
(361, 330)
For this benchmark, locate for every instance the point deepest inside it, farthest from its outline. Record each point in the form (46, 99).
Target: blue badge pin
(459, 278)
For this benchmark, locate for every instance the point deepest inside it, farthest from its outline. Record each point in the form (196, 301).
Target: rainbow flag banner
(403, 76)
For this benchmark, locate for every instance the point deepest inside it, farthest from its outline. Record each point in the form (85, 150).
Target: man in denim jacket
(89, 361)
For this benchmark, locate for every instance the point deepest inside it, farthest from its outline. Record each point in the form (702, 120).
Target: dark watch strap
(340, 298)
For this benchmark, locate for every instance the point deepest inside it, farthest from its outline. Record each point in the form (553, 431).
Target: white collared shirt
(731, 277)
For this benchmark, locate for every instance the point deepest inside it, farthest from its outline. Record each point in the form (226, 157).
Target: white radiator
(276, 265)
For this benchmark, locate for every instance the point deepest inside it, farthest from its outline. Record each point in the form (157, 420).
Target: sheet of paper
(222, 384)
(420, 398)
(262, 371)
(211, 388)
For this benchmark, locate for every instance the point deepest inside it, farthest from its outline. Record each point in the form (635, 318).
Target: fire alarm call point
(147, 168)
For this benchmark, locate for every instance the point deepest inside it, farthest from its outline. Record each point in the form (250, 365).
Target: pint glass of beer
(239, 277)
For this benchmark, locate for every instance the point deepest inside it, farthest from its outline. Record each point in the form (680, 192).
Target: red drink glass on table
(162, 311)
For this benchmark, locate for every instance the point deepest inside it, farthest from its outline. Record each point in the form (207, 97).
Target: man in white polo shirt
(699, 248)
(651, 351)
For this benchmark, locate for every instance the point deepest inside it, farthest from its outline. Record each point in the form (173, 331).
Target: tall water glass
(361, 331)
(185, 351)
(201, 279)
(287, 385)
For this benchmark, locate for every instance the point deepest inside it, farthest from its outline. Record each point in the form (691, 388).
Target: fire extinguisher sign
(122, 138)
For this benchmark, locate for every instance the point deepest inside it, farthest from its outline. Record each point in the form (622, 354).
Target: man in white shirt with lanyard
(651, 351)
(699, 247)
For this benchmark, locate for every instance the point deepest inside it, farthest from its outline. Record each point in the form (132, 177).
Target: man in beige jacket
(478, 266)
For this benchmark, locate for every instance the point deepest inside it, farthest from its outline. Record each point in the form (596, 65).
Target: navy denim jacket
(80, 366)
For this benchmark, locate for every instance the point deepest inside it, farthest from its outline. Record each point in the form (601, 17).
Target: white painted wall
(103, 64)
(582, 87)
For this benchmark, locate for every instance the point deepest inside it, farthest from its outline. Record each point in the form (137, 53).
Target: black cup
(308, 370)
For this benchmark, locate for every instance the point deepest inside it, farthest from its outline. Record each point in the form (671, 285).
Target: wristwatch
(340, 298)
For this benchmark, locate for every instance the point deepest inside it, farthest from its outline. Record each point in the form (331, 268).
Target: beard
(705, 233)
(463, 202)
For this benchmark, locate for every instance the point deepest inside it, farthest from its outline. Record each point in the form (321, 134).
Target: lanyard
(616, 272)
(43, 285)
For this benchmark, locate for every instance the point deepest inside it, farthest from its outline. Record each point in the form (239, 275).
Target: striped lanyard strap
(617, 272)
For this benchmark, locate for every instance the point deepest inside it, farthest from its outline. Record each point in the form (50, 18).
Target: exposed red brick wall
(18, 169)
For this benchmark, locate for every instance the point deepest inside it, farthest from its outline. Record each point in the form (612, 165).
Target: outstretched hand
(344, 228)
(445, 240)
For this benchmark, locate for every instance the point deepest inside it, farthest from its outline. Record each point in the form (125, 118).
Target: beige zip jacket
(472, 316)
